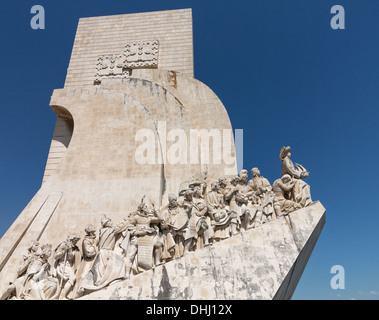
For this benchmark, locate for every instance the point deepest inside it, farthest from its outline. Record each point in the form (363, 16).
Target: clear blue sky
(285, 77)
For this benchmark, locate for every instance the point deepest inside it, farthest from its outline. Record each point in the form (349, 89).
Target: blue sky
(285, 77)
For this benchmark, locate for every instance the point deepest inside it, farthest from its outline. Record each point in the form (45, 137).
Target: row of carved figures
(194, 219)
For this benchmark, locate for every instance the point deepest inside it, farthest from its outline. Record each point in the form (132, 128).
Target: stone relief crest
(141, 54)
(137, 55)
(110, 66)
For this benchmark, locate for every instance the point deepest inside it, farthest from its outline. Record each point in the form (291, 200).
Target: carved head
(234, 180)
(255, 172)
(105, 220)
(196, 192)
(90, 229)
(33, 246)
(74, 238)
(200, 205)
(172, 199)
(46, 251)
(286, 178)
(285, 152)
(244, 175)
(222, 182)
(214, 185)
(188, 194)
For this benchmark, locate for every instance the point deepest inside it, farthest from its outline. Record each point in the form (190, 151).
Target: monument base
(263, 263)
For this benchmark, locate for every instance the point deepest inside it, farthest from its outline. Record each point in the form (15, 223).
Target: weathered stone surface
(261, 263)
(92, 163)
(105, 35)
(98, 172)
(130, 85)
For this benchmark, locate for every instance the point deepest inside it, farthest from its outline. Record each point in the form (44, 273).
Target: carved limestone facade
(193, 219)
(86, 230)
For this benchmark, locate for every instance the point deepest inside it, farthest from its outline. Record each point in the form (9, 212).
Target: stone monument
(141, 198)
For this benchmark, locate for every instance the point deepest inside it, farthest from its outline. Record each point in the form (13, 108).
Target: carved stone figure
(146, 242)
(267, 199)
(283, 189)
(254, 217)
(220, 216)
(302, 193)
(199, 231)
(89, 251)
(174, 228)
(223, 190)
(238, 202)
(213, 201)
(222, 185)
(147, 237)
(108, 264)
(15, 288)
(67, 258)
(40, 284)
(186, 204)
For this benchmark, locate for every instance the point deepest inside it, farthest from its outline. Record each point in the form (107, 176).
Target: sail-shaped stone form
(133, 123)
